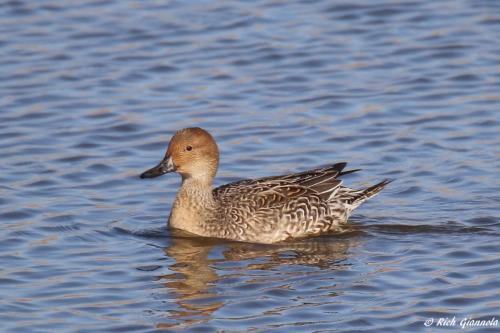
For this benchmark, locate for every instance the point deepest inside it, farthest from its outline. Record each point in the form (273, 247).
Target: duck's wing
(323, 181)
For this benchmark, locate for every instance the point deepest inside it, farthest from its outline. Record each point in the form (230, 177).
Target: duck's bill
(164, 167)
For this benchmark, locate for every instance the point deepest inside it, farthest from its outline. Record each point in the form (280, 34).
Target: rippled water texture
(91, 91)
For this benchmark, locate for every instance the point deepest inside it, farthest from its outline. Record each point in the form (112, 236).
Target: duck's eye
(189, 148)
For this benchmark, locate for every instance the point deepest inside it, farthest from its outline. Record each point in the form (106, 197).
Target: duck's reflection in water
(202, 264)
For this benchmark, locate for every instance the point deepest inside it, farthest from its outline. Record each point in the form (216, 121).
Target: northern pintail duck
(265, 210)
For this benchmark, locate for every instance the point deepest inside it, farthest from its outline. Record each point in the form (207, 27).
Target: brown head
(192, 152)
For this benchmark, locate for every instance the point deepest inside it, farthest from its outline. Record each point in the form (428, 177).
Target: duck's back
(277, 208)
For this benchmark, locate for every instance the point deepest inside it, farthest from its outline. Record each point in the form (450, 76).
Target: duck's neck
(194, 205)
(198, 190)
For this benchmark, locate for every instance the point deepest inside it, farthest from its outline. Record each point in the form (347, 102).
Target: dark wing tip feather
(325, 190)
(339, 166)
(349, 171)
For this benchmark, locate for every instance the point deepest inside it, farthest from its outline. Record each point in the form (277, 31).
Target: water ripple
(92, 91)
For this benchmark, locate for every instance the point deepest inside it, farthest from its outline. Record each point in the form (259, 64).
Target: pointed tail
(369, 192)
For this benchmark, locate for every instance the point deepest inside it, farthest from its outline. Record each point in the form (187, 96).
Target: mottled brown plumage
(265, 210)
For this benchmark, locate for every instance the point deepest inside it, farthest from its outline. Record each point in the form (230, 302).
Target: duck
(265, 210)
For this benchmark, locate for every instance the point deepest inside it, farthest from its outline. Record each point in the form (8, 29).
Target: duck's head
(192, 152)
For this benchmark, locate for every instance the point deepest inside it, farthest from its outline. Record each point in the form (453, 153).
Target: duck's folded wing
(314, 176)
(321, 180)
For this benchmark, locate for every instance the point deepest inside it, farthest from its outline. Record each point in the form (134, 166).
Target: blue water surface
(91, 91)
